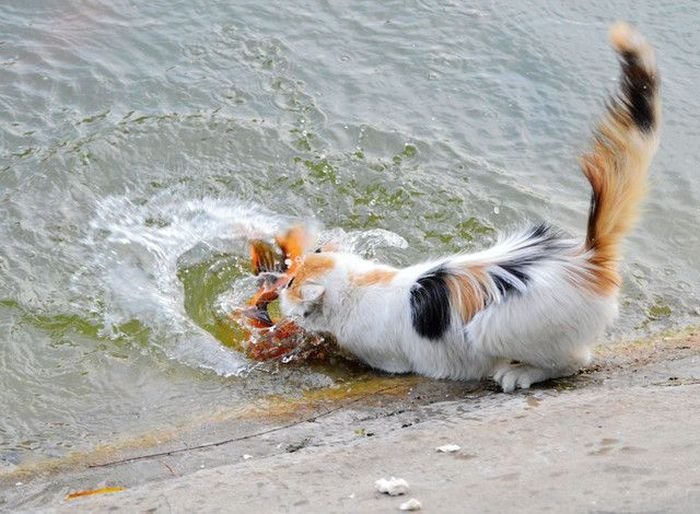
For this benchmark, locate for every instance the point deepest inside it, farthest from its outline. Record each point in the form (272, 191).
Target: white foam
(137, 248)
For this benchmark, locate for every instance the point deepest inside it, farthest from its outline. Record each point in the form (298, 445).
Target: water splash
(138, 248)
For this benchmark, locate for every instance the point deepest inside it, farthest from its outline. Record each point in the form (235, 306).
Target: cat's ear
(311, 293)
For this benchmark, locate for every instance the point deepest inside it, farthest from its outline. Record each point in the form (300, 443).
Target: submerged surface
(141, 144)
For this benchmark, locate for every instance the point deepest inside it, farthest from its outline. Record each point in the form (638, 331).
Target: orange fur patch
(618, 163)
(468, 290)
(374, 277)
(293, 244)
(312, 266)
(616, 169)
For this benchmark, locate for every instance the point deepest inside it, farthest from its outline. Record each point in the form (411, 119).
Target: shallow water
(141, 144)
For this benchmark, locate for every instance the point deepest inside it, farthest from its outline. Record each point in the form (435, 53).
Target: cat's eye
(289, 284)
(318, 250)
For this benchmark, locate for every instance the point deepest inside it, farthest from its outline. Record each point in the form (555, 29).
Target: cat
(526, 310)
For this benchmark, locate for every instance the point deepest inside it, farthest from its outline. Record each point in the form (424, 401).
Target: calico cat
(526, 310)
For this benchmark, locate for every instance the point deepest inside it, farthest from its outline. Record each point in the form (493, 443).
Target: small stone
(247, 457)
(448, 448)
(411, 504)
(392, 487)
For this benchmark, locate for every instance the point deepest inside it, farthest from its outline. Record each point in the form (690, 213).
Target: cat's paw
(519, 376)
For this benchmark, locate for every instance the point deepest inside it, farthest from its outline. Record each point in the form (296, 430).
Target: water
(141, 144)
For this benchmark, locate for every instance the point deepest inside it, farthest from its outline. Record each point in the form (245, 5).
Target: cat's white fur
(550, 326)
(547, 323)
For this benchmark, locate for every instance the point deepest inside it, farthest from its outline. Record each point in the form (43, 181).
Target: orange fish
(277, 267)
(272, 339)
(280, 339)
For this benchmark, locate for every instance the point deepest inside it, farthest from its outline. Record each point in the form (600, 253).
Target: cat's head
(316, 277)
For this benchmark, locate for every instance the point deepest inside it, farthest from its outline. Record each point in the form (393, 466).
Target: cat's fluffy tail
(623, 146)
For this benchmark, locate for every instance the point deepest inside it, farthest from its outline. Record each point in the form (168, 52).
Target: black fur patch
(542, 231)
(591, 241)
(430, 304)
(542, 243)
(638, 89)
(506, 286)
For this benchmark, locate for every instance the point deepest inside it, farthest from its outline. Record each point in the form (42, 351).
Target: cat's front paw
(519, 376)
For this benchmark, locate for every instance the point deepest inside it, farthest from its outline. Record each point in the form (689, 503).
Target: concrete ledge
(632, 450)
(619, 437)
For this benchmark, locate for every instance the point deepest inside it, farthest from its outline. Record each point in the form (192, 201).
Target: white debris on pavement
(392, 487)
(411, 504)
(448, 448)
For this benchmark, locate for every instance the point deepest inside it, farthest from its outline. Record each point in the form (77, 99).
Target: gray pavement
(622, 437)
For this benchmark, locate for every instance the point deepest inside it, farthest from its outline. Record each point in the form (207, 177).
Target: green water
(141, 142)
